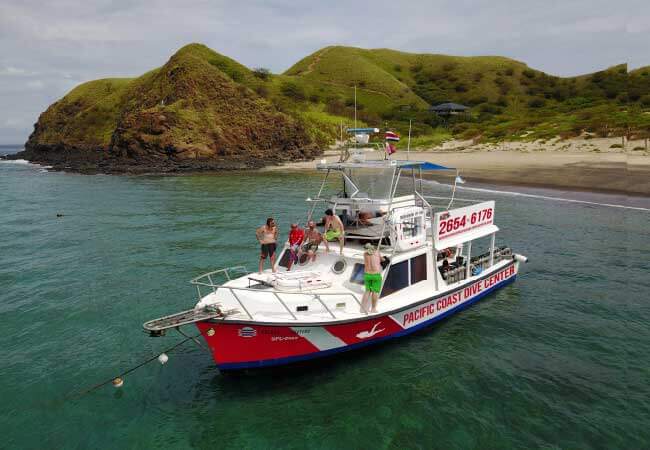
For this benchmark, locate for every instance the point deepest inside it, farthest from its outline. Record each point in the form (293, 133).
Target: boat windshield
(368, 183)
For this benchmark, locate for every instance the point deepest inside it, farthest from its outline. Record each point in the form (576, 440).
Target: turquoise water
(558, 359)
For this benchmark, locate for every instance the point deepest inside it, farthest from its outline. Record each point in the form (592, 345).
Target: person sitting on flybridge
(371, 277)
(333, 227)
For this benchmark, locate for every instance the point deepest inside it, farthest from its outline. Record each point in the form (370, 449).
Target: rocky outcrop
(188, 115)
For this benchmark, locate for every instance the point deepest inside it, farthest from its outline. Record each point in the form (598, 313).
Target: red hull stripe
(237, 346)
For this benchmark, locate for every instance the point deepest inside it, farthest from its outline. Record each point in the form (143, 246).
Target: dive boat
(438, 260)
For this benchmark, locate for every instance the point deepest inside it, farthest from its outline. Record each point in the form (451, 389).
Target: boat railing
(478, 264)
(330, 301)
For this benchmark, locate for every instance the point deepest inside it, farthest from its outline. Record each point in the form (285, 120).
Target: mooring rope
(126, 372)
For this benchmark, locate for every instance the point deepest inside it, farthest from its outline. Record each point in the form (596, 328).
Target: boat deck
(253, 297)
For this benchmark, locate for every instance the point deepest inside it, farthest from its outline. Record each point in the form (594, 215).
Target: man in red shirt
(296, 236)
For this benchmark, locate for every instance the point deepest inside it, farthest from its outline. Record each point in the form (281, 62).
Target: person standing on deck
(296, 237)
(333, 230)
(371, 277)
(267, 235)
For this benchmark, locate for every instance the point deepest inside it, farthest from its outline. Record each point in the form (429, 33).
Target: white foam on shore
(17, 161)
(544, 197)
(24, 162)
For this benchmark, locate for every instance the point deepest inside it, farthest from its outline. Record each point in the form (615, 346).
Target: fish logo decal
(371, 333)
(247, 332)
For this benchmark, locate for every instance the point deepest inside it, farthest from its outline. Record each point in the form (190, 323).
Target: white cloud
(10, 71)
(35, 84)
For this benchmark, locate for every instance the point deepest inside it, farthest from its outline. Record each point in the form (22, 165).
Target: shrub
(492, 109)
(460, 128)
(536, 102)
(528, 73)
(510, 71)
(560, 94)
(335, 106)
(292, 90)
(397, 68)
(645, 100)
(262, 73)
(477, 100)
(236, 75)
(598, 77)
(502, 101)
(262, 91)
(448, 67)
(460, 87)
(638, 148)
(478, 76)
(417, 67)
(616, 146)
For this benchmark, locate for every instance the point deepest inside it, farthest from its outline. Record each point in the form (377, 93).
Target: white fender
(520, 258)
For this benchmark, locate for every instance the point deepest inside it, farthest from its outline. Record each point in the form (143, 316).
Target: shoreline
(612, 172)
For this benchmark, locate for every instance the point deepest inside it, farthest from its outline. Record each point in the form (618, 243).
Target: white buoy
(118, 382)
(163, 358)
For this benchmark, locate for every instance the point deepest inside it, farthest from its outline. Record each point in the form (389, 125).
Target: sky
(47, 48)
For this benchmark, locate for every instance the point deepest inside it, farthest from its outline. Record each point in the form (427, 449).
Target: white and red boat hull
(245, 344)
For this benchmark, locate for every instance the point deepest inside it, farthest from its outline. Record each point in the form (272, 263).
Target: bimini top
(382, 164)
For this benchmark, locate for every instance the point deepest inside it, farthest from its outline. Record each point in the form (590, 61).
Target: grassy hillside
(194, 110)
(203, 105)
(508, 99)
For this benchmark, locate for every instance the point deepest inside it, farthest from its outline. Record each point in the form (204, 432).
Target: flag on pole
(391, 136)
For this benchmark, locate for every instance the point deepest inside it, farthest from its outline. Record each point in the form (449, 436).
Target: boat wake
(542, 197)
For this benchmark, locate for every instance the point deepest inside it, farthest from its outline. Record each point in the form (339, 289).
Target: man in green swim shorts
(333, 230)
(371, 278)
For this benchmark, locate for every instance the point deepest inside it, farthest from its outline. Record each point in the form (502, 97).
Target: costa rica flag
(392, 136)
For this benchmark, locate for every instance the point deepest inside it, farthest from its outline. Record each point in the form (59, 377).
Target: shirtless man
(371, 277)
(333, 230)
(312, 239)
(267, 235)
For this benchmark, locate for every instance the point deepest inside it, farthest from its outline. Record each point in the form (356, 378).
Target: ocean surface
(559, 359)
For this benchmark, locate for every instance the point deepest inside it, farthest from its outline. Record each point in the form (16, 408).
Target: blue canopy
(362, 130)
(427, 166)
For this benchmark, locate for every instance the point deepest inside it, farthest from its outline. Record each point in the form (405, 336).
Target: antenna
(355, 106)
(408, 146)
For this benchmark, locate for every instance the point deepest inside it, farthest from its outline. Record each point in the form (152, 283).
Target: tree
(262, 73)
(292, 90)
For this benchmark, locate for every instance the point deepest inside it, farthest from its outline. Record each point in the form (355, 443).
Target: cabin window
(398, 278)
(419, 268)
(357, 274)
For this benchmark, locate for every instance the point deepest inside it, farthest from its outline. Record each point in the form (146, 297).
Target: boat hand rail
(225, 271)
(273, 293)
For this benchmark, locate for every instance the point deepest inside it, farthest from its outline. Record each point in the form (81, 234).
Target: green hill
(195, 112)
(203, 110)
(508, 99)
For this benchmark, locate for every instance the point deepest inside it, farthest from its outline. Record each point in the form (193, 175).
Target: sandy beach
(570, 164)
